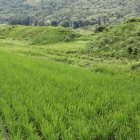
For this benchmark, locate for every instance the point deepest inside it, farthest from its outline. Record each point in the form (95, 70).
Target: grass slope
(46, 100)
(38, 35)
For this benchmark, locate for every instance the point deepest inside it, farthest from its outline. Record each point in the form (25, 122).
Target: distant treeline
(67, 13)
(27, 20)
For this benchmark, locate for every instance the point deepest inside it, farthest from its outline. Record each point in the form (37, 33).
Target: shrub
(135, 51)
(100, 29)
(67, 39)
(2, 37)
(135, 66)
(132, 19)
(120, 41)
(129, 49)
(137, 33)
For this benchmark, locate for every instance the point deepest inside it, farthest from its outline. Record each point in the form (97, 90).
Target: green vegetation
(120, 41)
(95, 97)
(100, 29)
(45, 100)
(67, 13)
(132, 19)
(39, 35)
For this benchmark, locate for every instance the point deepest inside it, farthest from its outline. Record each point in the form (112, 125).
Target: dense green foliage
(100, 29)
(38, 35)
(132, 19)
(115, 41)
(120, 41)
(79, 12)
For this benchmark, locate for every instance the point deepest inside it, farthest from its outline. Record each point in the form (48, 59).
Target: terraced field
(44, 98)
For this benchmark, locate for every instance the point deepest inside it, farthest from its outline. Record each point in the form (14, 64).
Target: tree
(25, 20)
(20, 20)
(99, 20)
(85, 28)
(76, 24)
(41, 23)
(86, 22)
(14, 21)
(80, 23)
(54, 23)
(65, 23)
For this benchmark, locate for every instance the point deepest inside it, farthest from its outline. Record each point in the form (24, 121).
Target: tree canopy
(77, 13)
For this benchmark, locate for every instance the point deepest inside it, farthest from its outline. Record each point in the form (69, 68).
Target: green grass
(69, 53)
(81, 31)
(38, 35)
(46, 100)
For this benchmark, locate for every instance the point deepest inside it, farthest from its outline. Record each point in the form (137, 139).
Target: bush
(129, 49)
(2, 37)
(100, 29)
(132, 19)
(67, 39)
(135, 51)
(135, 66)
(120, 41)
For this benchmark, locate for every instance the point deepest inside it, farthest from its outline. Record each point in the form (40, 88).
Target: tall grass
(46, 100)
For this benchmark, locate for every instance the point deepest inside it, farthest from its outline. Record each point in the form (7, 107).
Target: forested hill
(67, 12)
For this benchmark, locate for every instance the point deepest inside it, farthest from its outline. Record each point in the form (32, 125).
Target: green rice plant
(2, 130)
(43, 99)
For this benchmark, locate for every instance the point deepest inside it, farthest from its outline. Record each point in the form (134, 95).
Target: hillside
(118, 41)
(38, 35)
(67, 13)
(119, 44)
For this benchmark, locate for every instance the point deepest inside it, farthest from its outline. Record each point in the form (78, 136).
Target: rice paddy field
(52, 92)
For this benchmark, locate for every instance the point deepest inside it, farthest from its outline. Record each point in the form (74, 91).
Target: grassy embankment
(41, 99)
